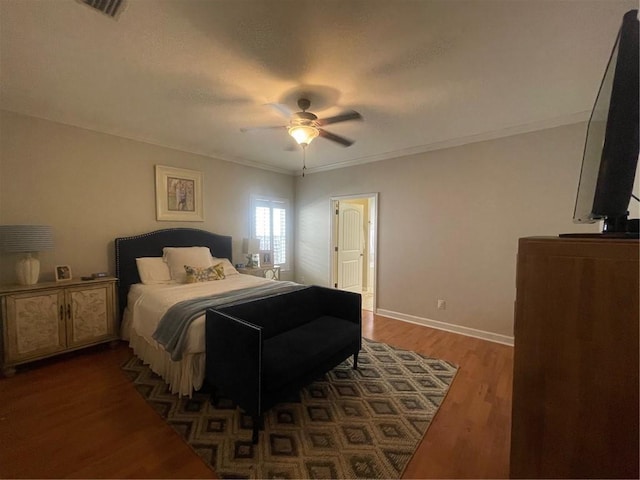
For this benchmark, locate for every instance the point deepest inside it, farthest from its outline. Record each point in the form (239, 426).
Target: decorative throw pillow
(204, 274)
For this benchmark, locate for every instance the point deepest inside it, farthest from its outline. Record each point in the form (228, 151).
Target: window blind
(270, 227)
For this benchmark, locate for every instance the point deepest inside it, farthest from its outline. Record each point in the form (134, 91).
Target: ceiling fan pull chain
(304, 159)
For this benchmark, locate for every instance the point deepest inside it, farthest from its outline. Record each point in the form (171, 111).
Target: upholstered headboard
(151, 245)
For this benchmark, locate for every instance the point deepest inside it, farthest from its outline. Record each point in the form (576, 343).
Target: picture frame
(63, 273)
(266, 258)
(178, 194)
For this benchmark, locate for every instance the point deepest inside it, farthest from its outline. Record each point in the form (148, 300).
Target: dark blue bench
(260, 351)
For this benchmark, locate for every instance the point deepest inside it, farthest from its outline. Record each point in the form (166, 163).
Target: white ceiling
(425, 74)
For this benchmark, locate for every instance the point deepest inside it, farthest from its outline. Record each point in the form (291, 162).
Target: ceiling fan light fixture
(303, 134)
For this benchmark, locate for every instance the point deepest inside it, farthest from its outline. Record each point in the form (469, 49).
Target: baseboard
(448, 327)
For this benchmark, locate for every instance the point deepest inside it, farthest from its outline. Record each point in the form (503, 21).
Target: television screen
(611, 147)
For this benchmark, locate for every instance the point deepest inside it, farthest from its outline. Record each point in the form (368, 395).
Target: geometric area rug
(363, 423)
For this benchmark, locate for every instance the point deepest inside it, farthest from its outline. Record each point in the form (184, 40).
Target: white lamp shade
(250, 245)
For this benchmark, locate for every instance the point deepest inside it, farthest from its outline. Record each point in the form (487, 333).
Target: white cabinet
(49, 318)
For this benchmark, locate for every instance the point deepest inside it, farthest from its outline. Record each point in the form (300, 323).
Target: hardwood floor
(470, 435)
(78, 416)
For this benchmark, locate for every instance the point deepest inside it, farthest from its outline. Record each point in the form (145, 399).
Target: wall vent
(108, 7)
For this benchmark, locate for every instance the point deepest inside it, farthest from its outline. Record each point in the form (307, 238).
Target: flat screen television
(610, 157)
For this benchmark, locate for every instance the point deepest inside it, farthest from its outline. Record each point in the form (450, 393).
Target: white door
(350, 246)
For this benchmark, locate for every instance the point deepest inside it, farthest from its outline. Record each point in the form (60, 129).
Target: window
(269, 224)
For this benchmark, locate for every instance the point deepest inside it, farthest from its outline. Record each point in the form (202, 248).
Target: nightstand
(50, 318)
(272, 273)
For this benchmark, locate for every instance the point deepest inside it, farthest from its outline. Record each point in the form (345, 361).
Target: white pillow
(178, 257)
(153, 270)
(228, 268)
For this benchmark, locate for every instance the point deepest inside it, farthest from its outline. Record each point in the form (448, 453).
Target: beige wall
(93, 187)
(449, 222)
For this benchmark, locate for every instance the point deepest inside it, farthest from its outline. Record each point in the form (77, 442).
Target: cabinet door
(34, 325)
(272, 273)
(90, 314)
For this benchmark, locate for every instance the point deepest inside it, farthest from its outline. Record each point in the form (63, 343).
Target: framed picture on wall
(178, 194)
(266, 258)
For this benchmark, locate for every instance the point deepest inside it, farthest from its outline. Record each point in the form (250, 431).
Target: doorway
(354, 234)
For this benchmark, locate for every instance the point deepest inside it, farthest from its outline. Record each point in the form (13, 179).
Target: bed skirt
(183, 377)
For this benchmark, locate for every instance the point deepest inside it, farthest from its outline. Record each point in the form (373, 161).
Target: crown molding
(246, 163)
(457, 142)
(450, 143)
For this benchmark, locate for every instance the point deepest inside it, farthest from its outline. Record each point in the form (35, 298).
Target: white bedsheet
(146, 304)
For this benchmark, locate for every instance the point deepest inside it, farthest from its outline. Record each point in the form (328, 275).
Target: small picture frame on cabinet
(266, 258)
(63, 273)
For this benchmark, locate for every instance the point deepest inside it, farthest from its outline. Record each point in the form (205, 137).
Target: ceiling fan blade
(343, 117)
(335, 138)
(251, 129)
(281, 108)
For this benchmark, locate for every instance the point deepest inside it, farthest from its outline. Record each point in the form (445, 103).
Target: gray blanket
(171, 331)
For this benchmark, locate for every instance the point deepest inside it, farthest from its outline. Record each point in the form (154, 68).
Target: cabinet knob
(61, 312)
(68, 310)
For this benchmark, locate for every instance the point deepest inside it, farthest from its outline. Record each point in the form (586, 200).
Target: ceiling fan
(304, 126)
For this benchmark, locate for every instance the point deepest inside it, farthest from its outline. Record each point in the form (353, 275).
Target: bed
(146, 302)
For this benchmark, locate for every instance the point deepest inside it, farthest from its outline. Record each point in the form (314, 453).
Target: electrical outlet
(442, 305)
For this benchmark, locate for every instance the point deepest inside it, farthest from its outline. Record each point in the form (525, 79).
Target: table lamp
(251, 246)
(26, 239)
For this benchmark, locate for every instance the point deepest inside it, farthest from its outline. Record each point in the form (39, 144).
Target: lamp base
(28, 270)
(253, 260)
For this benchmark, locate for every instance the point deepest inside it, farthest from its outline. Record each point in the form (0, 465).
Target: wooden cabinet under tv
(575, 387)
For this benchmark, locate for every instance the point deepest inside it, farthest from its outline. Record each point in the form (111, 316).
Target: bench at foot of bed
(261, 351)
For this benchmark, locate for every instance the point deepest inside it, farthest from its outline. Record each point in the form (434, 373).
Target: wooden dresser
(575, 383)
(49, 318)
